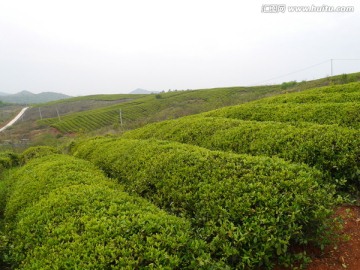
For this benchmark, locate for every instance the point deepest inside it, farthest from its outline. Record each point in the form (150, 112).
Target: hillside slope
(26, 97)
(101, 114)
(291, 126)
(162, 106)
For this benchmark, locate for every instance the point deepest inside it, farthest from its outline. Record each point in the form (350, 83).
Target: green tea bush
(8, 160)
(64, 214)
(314, 97)
(286, 85)
(36, 152)
(335, 94)
(332, 149)
(5, 185)
(248, 209)
(345, 114)
(45, 174)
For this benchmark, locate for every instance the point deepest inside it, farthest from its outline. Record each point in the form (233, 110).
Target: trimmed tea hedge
(36, 152)
(64, 214)
(42, 175)
(336, 93)
(248, 209)
(332, 149)
(345, 114)
(8, 160)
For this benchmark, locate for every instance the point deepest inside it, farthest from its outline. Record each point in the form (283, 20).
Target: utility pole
(40, 113)
(120, 116)
(331, 65)
(58, 113)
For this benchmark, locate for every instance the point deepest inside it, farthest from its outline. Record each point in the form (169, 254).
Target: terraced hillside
(275, 127)
(158, 107)
(332, 106)
(76, 104)
(28, 132)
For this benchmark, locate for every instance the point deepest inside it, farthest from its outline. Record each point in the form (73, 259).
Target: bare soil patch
(345, 254)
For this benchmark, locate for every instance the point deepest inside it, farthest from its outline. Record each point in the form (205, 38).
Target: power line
(348, 59)
(309, 67)
(331, 62)
(297, 71)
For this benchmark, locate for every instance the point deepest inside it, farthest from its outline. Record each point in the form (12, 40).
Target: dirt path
(14, 119)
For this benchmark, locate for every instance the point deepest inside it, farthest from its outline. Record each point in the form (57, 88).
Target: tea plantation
(290, 126)
(241, 187)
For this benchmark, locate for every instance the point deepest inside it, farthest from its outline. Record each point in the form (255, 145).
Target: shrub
(248, 209)
(286, 85)
(343, 114)
(36, 152)
(325, 105)
(78, 219)
(8, 160)
(43, 175)
(334, 94)
(331, 149)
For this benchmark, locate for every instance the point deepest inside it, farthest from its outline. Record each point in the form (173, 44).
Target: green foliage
(5, 185)
(44, 175)
(162, 106)
(328, 105)
(248, 209)
(343, 114)
(100, 97)
(335, 94)
(286, 85)
(36, 152)
(8, 160)
(332, 149)
(62, 213)
(140, 109)
(347, 78)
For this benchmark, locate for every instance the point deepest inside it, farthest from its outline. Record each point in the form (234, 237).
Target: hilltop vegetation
(156, 107)
(175, 104)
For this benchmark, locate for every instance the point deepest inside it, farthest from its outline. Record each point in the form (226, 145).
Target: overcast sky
(82, 47)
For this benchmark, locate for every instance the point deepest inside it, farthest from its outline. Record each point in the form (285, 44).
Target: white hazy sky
(82, 47)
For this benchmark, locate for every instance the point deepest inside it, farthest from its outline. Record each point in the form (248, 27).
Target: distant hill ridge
(26, 97)
(143, 91)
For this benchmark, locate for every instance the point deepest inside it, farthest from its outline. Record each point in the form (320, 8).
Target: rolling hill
(143, 91)
(162, 106)
(100, 114)
(26, 97)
